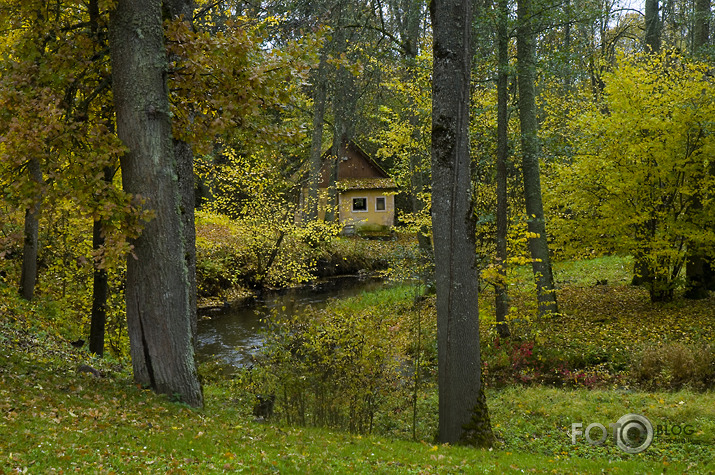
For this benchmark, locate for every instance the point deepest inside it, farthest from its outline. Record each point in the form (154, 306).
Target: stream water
(233, 336)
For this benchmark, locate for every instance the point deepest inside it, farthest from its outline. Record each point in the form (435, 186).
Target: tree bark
(184, 156)
(653, 26)
(28, 277)
(502, 218)
(157, 296)
(463, 415)
(100, 292)
(701, 27)
(344, 103)
(100, 280)
(538, 244)
(699, 274)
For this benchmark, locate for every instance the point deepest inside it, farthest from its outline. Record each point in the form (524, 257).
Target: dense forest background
(622, 106)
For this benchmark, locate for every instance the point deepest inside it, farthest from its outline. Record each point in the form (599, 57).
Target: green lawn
(55, 418)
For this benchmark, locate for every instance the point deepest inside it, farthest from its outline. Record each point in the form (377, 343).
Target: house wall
(371, 215)
(348, 216)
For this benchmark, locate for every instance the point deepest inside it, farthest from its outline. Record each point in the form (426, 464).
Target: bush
(674, 366)
(248, 253)
(332, 369)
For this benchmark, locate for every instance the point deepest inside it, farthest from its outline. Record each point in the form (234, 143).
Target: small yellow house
(366, 193)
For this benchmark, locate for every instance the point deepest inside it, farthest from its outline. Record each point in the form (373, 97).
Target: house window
(380, 203)
(359, 204)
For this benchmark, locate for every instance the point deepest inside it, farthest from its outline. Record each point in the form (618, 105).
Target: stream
(233, 336)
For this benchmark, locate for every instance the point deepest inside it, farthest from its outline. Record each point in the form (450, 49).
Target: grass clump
(675, 366)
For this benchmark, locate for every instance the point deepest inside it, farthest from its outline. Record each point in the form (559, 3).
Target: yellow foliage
(640, 179)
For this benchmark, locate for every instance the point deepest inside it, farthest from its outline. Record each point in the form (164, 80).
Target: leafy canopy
(640, 181)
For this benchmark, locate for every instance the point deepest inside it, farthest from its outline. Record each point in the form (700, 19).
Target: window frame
(384, 201)
(352, 204)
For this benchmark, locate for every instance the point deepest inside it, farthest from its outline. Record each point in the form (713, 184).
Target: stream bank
(230, 334)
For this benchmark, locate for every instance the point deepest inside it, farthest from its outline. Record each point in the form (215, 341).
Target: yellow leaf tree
(640, 181)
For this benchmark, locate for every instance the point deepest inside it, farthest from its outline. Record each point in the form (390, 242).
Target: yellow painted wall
(356, 218)
(371, 216)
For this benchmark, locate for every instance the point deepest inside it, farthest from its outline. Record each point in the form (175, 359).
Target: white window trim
(352, 204)
(381, 210)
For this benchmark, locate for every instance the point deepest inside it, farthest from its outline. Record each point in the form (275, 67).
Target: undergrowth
(234, 254)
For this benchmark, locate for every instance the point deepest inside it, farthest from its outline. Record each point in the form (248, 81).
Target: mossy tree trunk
(157, 291)
(463, 416)
(538, 242)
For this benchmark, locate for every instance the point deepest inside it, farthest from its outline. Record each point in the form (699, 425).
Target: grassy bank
(54, 418)
(235, 257)
(612, 352)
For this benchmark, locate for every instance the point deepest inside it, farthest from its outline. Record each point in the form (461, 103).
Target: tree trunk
(696, 285)
(331, 207)
(463, 415)
(698, 269)
(409, 19)
(30, 249)
(184, 156)
(500, 290)
(344, 103)
(316, 146)
(100, 292)
(567, 47)
(538, 244)
(157, 296)
(701, 27)
(100, 283)
(651, 39)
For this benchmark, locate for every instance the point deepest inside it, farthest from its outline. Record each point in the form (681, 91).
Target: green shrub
(249, 253)
(674, 366)
(332, 369)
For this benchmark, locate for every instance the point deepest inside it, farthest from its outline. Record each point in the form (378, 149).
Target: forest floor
(56, 418)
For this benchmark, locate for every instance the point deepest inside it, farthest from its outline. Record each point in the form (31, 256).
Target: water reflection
(233, 337)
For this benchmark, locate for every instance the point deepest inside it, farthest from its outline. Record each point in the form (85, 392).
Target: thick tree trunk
(28, 277)
(538, 243)
(184, 156)
(500, 290)
(158, 313)
(316, 146)
(463, 415)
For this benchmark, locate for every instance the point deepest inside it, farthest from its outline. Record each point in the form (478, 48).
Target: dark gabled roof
(357, 168)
